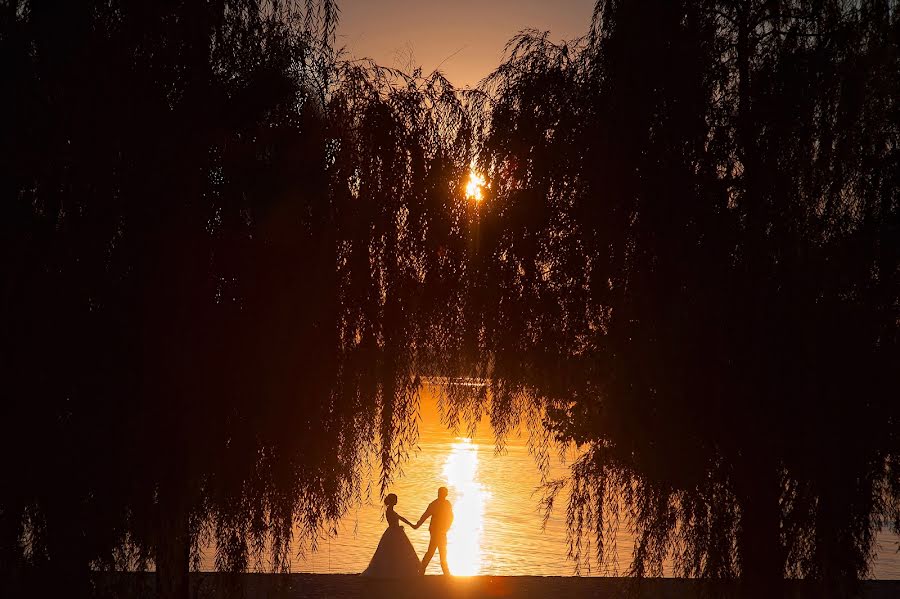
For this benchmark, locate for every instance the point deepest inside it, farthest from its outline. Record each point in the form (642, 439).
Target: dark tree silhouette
(689, 263)
(230, 254)
(220, 277)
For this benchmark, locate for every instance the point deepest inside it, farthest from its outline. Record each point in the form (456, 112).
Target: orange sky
(464, 37)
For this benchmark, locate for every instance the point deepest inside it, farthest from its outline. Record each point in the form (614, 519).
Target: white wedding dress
(395, 556)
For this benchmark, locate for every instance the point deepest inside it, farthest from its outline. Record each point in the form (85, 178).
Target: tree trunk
(760, 548)
(66, 572)
(173, 545)
(10, 551)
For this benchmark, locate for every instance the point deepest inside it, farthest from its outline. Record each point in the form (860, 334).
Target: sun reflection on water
(469, 498)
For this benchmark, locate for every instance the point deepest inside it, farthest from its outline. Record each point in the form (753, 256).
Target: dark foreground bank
(348, 586)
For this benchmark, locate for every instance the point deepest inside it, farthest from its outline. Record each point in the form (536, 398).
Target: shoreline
(352, 586)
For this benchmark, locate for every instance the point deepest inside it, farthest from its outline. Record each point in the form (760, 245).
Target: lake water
(498, 520)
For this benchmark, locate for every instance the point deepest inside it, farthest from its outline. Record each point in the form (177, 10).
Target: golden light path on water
(464, 541)
(498, 527)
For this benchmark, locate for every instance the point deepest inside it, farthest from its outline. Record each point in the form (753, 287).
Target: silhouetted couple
(395, 556)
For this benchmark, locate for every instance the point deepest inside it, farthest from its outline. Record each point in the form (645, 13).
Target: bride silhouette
(395, 556)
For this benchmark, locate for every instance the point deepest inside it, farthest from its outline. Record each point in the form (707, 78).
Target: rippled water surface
(498, 520)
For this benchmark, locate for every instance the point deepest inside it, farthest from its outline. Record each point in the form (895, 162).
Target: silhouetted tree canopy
(221, 267)
(690, 263)
(230, 255)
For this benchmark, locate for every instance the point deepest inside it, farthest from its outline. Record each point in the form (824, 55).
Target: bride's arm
(405, 520)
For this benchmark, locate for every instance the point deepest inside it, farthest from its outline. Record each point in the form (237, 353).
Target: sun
(474, 187)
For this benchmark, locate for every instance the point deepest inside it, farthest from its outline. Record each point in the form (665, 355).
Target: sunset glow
(474, 187)
(469, 497)
(416, 299)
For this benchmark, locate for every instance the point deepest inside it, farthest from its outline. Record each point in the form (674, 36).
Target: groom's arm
(424, 517)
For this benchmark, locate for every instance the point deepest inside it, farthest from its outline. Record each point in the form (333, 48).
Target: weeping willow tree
(233, 252)
(227, 246)
(688, 263)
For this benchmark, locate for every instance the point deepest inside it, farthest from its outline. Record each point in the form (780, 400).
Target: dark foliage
(690, 259)
(218, 271)
(229, 255)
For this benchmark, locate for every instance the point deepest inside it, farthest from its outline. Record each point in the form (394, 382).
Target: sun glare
(474, 187)
(469, 498)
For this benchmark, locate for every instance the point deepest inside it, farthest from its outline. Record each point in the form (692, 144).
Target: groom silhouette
(441, 513)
